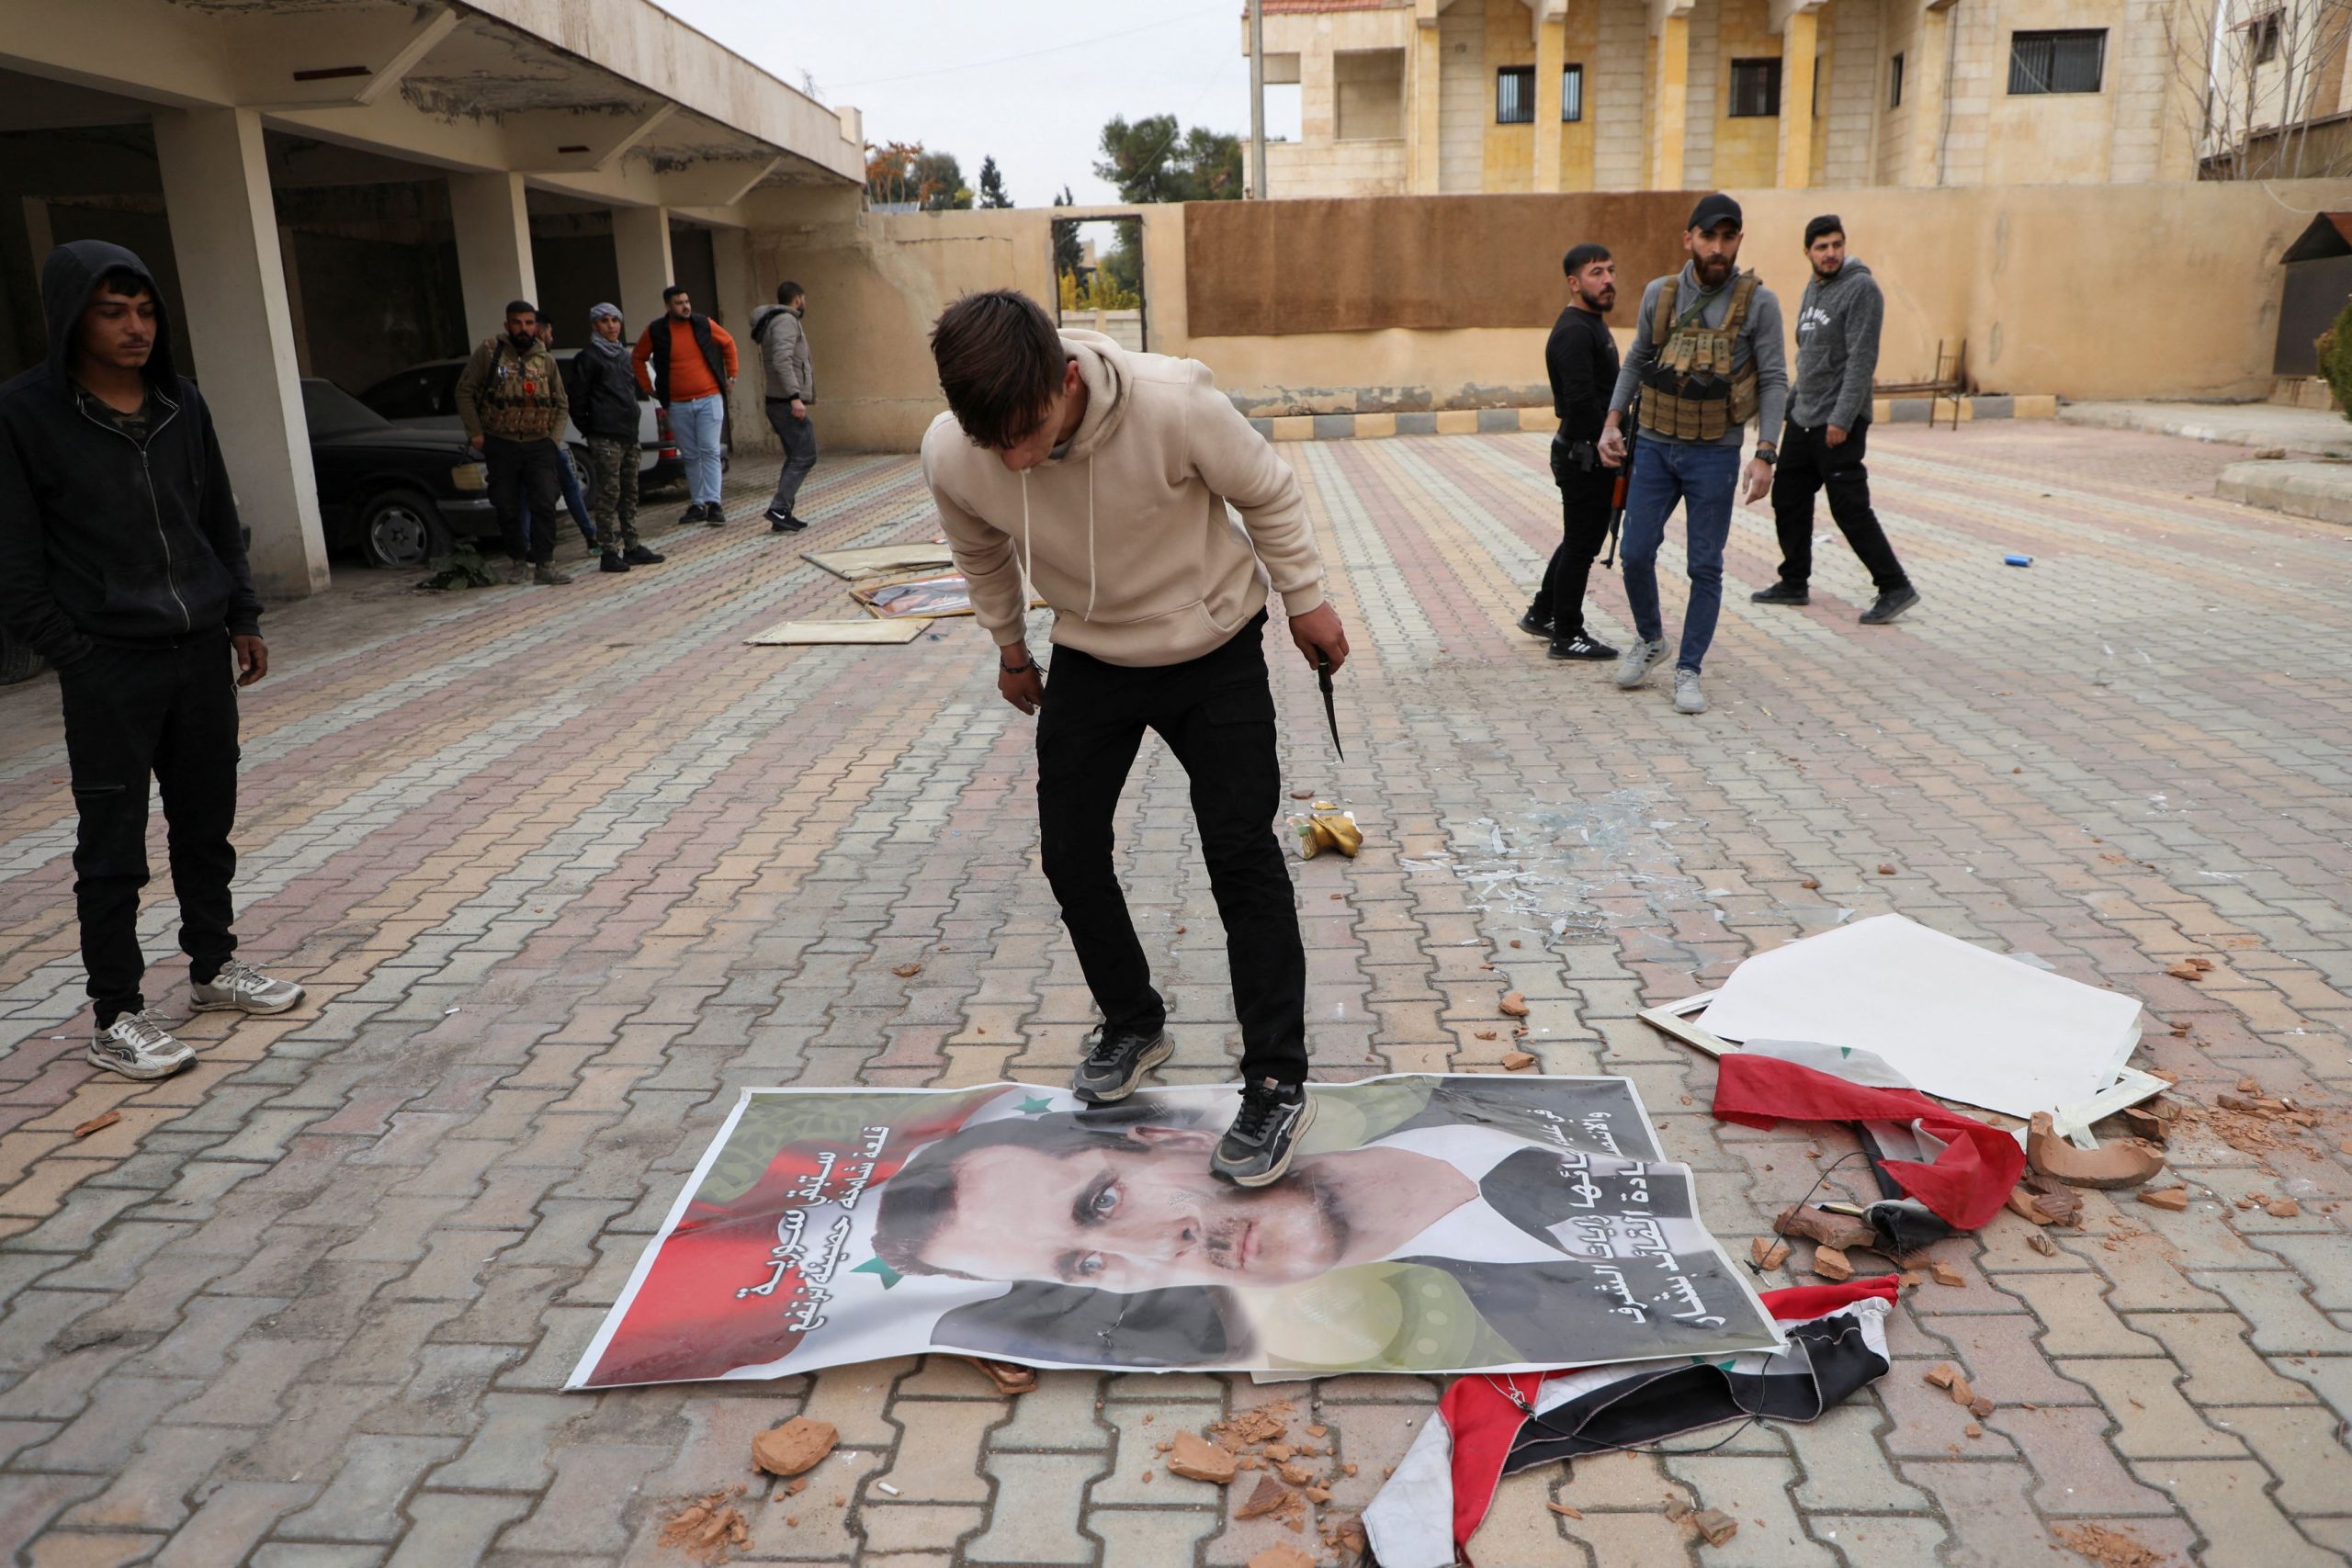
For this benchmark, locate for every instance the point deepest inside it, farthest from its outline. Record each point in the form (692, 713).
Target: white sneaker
(1688, 698)
(1634, 667)
(247, 989)
(135, 1046)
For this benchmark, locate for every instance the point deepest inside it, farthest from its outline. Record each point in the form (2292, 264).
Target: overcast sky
(1028, 82)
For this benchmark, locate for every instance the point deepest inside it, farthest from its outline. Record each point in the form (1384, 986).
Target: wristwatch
(1768, 455)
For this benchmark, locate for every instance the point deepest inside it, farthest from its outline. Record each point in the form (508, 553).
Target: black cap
(1713, 209)
(1828, 223)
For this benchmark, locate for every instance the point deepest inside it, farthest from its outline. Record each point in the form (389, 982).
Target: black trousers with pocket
(517, 467)
(1584, 527)
(1216, 713)
(170, 713)
(1810, 465)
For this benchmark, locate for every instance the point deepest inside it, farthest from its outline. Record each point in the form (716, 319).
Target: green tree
(1067, 256)
(939, 183)
(1149, 161)
(992, 185)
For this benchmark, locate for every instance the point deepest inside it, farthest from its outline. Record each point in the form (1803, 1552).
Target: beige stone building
(1432, 96)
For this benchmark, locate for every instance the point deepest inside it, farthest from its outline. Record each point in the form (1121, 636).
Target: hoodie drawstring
(1089, 537)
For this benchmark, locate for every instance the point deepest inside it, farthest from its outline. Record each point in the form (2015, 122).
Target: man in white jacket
(1102, 478)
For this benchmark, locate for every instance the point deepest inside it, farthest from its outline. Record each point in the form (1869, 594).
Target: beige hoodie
(1125, 534)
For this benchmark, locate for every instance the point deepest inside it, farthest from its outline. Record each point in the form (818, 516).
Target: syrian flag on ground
(1943, 1171)
(1489, 1426)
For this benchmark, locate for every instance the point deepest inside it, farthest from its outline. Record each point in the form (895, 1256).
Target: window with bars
(2068, 59)
(1515, 96)
(1572, 93)
(1754, 88)
(1894, 82)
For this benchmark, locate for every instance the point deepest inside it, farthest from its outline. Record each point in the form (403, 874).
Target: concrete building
(345, 188)
(2278, 103)
(1434, 97)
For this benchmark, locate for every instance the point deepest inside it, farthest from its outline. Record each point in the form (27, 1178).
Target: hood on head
(67, 279)
(1103, 367)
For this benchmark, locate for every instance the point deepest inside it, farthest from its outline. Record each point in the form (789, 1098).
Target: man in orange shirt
(692, 361)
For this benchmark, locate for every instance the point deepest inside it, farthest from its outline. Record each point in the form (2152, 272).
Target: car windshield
(328, 410)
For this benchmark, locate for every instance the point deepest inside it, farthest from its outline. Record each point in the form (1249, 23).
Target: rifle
(1627, 427)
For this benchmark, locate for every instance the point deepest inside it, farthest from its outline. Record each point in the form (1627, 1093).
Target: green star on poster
(881, 1270)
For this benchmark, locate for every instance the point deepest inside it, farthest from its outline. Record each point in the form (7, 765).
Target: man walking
(1706, 359)
(1581, 357)
(783, 350)
(122, 562)
(692, 362)
(1829, 425)
(1102, 478)
(603, 405)
(510, 398)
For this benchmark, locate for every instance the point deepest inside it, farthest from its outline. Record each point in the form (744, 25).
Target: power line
(1031, 54)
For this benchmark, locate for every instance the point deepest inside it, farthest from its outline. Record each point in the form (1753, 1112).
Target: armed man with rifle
(1581, 359)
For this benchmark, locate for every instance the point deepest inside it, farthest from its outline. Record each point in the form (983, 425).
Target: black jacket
(1581, 359)
(657, 341)
(603, 392)
(103, 538)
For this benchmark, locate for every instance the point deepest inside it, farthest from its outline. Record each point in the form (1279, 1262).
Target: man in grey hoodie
(1830, 421)
(784, 354)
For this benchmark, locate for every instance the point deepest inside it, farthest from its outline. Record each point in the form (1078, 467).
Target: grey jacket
(1759, 340)
(784, 354)
(1838, 324)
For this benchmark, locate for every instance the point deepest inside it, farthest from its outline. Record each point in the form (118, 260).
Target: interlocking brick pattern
(565, 869)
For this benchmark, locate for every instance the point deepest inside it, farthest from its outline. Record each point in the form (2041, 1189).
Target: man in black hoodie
(122, 563)
(1581, 357)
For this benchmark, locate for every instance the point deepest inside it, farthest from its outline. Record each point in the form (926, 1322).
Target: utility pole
(1258, 99)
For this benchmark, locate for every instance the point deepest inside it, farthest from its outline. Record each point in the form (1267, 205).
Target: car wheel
(401, 530)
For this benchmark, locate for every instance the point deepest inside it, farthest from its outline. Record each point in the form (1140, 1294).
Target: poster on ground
(1429, 1225)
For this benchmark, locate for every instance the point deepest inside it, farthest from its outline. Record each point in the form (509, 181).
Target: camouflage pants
(612, 478)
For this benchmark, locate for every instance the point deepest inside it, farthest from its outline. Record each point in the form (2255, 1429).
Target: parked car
(399, 495)
(424, 397)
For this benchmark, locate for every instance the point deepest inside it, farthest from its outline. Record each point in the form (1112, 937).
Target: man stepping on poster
(1102, 478)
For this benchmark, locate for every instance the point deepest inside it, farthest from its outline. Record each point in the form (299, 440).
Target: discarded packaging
(1326, 830)
(2127, 1162)
(2017, 561)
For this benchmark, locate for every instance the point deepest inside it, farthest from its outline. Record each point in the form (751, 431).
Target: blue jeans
(1705, 478)
(572, 500)
(695, 426)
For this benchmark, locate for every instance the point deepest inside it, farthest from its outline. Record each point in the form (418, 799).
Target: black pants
(171, 712)
(1216, 713)
(1808, 463)
(516, 467)
(1584, 527)
(800, 439)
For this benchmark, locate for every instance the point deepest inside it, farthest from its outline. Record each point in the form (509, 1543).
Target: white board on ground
(879, 560)
(785, 633)
(1957, 1021)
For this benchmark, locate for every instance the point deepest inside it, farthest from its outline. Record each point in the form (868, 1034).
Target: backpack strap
(1742, 293)
(1662, 321)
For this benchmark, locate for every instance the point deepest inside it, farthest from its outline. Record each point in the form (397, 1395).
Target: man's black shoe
(1890, 604)
(1257, 1149)
(712, 514)
(1579, 647)
(782, 522)
(691, 516)
(637, 555)
(1117, 1060)
(1782, 593)
(1534, 628)
(612, 562)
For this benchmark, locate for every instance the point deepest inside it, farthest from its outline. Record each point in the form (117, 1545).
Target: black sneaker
(1117, 1060)
(713, 516)
(612, 562)
(1534, 628)
(1890, 604)
(637, 555)
(782, 522)
(1579, 647)
(691, 516)
(1782, 593)
(1256, 1150)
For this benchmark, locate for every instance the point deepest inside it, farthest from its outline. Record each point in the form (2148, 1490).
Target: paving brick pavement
(564, 870)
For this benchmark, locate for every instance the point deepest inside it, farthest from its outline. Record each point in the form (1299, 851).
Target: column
(1800, 37)
(493, 229)
(1923, 95)
(1672, 95)
(224, 237)
(730, 258)
(1551, 56)
(1427, 64)
(641, 246)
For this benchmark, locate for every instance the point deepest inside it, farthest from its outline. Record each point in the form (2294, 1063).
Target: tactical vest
(1690, 392)
(517, 398)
